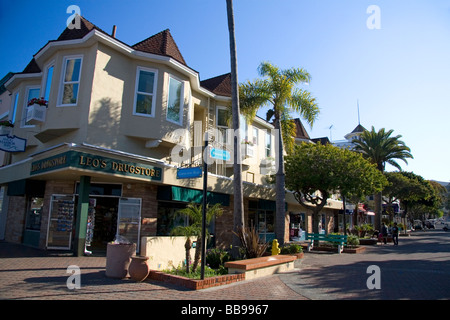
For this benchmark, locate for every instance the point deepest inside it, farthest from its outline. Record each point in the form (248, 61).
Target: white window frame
(181, 100)
(23, 120)
(255, 135)
(267, 139)
(62, 82)
(223, 129)
(45, 79)
(136, 92)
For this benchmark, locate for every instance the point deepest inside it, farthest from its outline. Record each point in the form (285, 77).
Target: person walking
(384, 232)
(395, 234)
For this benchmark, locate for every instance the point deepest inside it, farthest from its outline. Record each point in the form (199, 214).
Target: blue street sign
(220, 154)
(187, 173)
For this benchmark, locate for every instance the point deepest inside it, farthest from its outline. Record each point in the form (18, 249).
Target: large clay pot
(118, 257)
(139, 268)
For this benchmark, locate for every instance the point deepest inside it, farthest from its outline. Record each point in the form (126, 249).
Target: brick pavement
(30, 274)
(419, 268)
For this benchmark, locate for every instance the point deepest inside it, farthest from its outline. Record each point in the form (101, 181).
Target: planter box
(346, 250)
(194, 284)
(368, 242)
(36, 114)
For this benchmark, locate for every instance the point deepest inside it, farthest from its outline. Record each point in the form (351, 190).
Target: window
(222, 124)
(48, 82)
(221, 117)
(32, 92)
(255, 136)
(144, 104)
(174, 101)
(70, 81)
(14, 110)
(268, 144)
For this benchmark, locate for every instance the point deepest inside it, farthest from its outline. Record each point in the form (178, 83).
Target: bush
(251, 245)
(352, 240)
(216, 258)
(291, 249)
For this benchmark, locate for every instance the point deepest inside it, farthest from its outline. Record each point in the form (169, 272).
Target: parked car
(430, 225)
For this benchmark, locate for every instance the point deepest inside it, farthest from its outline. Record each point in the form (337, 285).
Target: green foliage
(216, 258)
(381, 148)
(180, 271)
(314, 171)
(352, 240)
(252, 247)
(291, 248)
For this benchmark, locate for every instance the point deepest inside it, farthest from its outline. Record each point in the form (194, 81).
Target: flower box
(247, 150)
(36, 113)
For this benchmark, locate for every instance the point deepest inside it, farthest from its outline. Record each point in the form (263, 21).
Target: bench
(340, 239)
(263, 266)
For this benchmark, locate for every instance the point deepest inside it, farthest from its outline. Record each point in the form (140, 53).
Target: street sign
(187, 173)
(12, 143)
(219, 154)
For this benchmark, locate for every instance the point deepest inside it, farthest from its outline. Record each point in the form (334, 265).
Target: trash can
(118, 258)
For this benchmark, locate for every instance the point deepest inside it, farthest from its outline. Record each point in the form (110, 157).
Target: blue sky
(399, 73)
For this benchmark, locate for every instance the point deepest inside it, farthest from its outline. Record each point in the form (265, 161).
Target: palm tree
(380, 148)
(195, 214)
(278, 90)
(238, 213)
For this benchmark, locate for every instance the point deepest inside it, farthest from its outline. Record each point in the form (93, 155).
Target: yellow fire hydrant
(275, 249)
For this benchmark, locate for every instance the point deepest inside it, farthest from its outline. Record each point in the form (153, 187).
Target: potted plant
(6, 127)
(247, 148)
(36, 111)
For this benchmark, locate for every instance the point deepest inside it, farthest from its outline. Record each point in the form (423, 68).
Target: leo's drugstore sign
(87, 161)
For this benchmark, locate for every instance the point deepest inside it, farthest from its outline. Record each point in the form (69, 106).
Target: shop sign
(12, 143)
(96, 163)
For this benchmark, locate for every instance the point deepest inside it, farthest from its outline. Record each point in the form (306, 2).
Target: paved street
(419, 268)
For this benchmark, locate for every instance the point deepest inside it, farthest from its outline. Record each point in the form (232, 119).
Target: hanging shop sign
(81, 160)
(12, 143)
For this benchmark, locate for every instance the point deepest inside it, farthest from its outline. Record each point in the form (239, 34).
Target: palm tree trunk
(238, 212)
(187, 246)
(280, 185)
(378, 210)
(197, 254)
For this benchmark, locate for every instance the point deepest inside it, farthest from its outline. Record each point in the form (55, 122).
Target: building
(102, 158)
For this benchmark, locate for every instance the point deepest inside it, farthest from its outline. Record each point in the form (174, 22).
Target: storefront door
(129, 220)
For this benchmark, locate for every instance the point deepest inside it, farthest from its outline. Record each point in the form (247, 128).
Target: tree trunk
(378, 210)
(238, 212)
(198, 251)
(187, 246)
(280, 215)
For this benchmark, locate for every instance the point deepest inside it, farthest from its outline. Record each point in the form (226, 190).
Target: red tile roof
(220, 85)
(162, 44)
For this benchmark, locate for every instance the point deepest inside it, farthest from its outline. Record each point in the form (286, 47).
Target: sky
(391, 58)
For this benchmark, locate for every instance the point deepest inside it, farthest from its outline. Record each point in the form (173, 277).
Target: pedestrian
(395, 234)
(384, 232)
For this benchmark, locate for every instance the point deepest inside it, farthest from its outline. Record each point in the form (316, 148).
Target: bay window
(175, 101)
(70, 83)
(145, 92)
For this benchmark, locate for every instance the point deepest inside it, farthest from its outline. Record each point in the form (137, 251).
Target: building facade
(102, 158)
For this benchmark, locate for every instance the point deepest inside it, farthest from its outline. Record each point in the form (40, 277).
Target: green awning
(174, 193)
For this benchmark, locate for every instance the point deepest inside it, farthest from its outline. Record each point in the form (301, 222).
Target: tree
(315, 171)
(195, 214)
(238, 213)
(381, 148)
(278, 90)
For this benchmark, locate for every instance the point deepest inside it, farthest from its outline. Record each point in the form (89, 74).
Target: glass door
(266, 225)
(129, 220)
(60, 222)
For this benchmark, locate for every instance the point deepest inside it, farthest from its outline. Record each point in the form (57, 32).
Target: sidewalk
(32, 274)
